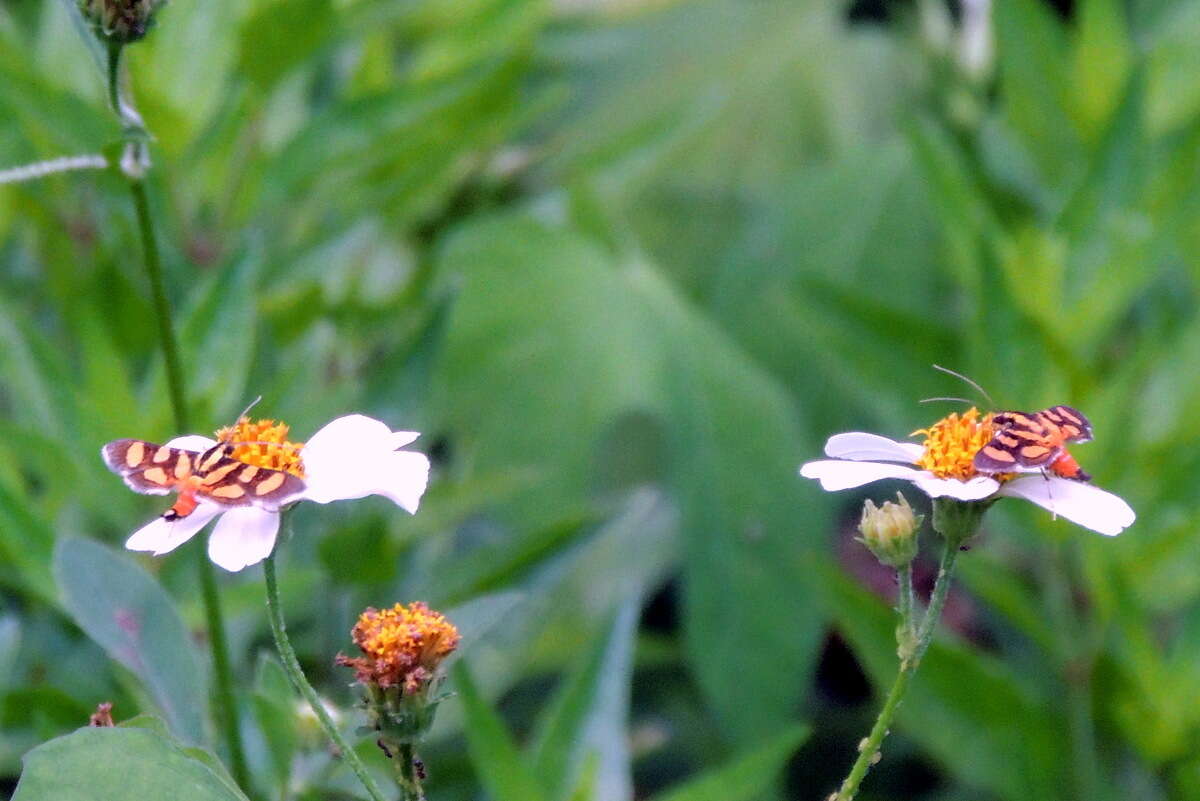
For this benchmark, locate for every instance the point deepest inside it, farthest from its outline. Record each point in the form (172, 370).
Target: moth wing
(1074, 423)
(133, 461)
(230, 482)
(1015, 449)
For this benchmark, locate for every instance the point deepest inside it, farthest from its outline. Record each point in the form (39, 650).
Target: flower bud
(402, 649)
(120, 21)
(890, 532)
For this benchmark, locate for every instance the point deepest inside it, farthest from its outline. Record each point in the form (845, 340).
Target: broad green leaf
(498, 762)
(748, 774)
(117, 764)
(616, 354)
(126, 612)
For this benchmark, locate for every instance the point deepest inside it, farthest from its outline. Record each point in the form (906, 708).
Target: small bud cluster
(890, 532)
(120, 21)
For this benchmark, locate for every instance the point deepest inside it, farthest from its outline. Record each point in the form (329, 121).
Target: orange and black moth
(1026, 442)
(213, 475)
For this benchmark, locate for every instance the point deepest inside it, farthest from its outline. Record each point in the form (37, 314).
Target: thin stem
(114, 79)
(869, 748)
(166, 332)
(404, 763)
(906, 607)
(937, 599)
(291, 666)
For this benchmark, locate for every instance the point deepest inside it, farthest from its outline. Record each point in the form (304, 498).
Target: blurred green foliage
(626, 265)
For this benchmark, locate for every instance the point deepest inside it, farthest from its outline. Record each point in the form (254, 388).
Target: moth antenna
(246, 411)
(956, 400)
(962, 377)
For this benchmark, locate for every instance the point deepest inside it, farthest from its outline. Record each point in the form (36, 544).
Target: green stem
(114, 84)
(869, 748)
(404, 763)
(162, 308)
(291, 666)
(906, 607)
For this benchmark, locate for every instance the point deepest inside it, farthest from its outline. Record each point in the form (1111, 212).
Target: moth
(212, 475)
(1027, 442)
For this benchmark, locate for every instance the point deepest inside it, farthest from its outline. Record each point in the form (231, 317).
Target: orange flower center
(952, 442)
(402, 646)
(264, 444)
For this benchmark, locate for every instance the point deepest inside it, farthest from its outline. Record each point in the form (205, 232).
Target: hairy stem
(404, 763)
(869, 748)
(291, 666)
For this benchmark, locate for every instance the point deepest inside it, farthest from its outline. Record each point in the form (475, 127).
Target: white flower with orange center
(945, 465)
(251, 471)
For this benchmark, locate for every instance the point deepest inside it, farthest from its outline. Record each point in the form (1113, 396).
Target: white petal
(244, 536)
(862, 447)
(192, 442)
(401, 438)
(162, 536)
(352, 432)
(405, 480)
(1090, 507)
(973, 489)
(356, 456)
(837, 475)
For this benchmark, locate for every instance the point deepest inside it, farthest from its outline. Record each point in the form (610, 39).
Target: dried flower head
(102, 717)
(402, 646)
(120, 21)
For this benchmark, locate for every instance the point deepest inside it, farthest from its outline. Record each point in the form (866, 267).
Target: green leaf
(636, 386)
(1032, 55)
(275, 710)
(589, 716)
(218, 333)
(279, 36)
(127, 613)
(25, 545)
(497, 760)
(750, 773)
(117, 764)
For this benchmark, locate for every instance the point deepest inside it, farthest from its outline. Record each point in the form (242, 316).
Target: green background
(626, 264)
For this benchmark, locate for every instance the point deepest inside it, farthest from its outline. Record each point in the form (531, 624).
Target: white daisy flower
(350, 457)
(943, 467)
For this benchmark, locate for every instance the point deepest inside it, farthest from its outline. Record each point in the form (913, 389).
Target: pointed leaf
(122, 608)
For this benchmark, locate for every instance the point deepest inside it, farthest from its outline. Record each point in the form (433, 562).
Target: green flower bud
(890, 532)
(120, 21)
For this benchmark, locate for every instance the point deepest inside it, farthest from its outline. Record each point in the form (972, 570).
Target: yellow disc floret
(952, 442)
(402, 646)
(265, 444)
